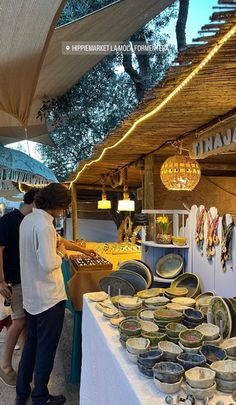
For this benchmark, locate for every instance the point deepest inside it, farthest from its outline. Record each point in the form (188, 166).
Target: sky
(199, 13)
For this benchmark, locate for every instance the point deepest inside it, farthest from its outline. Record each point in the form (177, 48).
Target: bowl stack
(130, 306)
(136, 346)
(170, 350)
(190, 341)
(200, 382)
(174, 292)
(155, 302)
(129, 328)
(192, 318)
(213, 353)
(173, 330)
(147, 360)
(225, 375)
(229, 345)
(203, 301)
(168, 377)
(210, 332)
(164, 316)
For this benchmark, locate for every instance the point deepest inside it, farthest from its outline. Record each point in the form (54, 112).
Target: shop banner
(217, 140)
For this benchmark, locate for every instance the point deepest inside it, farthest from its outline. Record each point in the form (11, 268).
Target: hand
(90, 252)
(4, 290)
(61, 249)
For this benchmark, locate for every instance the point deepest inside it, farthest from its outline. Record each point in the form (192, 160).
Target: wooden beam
(74, 211)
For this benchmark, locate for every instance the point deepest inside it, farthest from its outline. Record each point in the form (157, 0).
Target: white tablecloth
(108, 377)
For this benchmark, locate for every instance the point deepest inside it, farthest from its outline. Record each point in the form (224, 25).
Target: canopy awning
(32, 64)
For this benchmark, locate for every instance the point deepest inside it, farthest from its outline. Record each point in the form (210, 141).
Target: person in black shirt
(10, 274)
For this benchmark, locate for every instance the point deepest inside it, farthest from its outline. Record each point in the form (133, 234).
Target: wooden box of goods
(83, 262)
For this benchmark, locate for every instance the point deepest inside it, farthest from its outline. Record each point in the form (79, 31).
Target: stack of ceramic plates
(189, 281)
(225, 375)
(185, 301)
(164, 316)
(156, 302)
(139, 267)
(174, 292)
(130, 306)
(169, 266)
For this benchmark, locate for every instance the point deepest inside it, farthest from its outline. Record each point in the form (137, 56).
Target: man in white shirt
(43, 294)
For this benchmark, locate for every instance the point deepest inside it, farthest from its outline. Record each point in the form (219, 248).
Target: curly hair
(53, 196)
(30, 195)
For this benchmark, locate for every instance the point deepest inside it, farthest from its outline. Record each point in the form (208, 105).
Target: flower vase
(164, 238)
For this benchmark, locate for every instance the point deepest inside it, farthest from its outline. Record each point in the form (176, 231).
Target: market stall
(187, 314)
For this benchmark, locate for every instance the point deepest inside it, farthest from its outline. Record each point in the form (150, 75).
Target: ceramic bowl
(173, 329)
(151, 292)
(191, 338)
(123, 342)
(209, 331)
(229, 345)
(177, 291)
(193, 315)
(132, 357)
(213, 353)
(186, 301)
(167, 315)
(148, 326)
(154, 338)
(190, 325)
(172, 339)
(137, 345)
(168, 372)
(201, 393)
(146, 315)
(225, 386)
(189, 349)
(168, 388)
(148, 372)
(170, 350)
(189, 281)
(125, 337)
(130, 327)
(115, 300)
(116, 321)
(176, 307)
(129, 312)
(190, 360)
(225, 369)
(130, 302)
(216, 342)
(179, 240)
(156, 301)
(200, 377)
(150, 358)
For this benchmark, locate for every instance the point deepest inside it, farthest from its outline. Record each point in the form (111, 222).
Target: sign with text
(219, 140)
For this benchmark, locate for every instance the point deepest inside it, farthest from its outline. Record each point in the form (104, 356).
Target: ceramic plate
(97, 296)
(189, 281)
(137, 281)
(139, 267)
(117, 286)
(186, 301)
(169, 266)
(152, 292)
(219, 311)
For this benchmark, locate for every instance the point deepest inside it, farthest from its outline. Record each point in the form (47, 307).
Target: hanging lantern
(180, 172)
(126, 204)
(104, 204)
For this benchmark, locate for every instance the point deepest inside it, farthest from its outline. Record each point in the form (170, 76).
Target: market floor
(60, 376)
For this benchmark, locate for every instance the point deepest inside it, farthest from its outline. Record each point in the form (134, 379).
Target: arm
(69, 245)
(4, 291)
(48, 259)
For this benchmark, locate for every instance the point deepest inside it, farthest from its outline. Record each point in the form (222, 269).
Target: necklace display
(212, 234)
(226, 243)
(200, 219)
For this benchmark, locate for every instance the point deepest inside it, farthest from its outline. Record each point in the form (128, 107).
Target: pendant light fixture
(180, 173)
(126, 204)
(104, 204)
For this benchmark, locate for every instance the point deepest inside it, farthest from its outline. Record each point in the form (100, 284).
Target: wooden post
(74, 211)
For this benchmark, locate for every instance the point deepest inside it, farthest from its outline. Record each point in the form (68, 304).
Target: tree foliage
(105, 96)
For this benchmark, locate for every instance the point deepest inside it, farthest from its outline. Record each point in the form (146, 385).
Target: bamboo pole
(74, 211)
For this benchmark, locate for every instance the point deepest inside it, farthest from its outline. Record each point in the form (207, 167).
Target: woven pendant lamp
(180, 172)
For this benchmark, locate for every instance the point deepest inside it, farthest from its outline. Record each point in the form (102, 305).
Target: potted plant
(163, 224)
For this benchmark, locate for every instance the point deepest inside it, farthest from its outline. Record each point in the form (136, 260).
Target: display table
(107, 375)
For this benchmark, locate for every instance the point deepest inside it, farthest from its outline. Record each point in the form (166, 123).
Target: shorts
(5, 322)
(17, 302)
